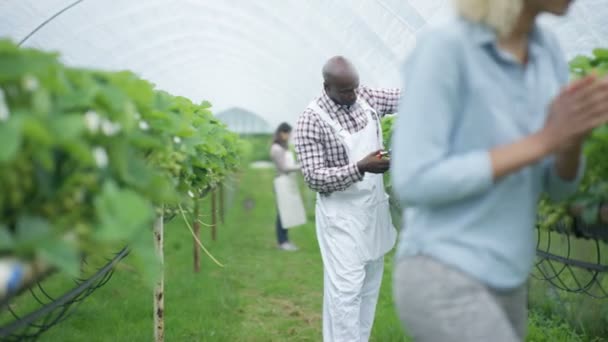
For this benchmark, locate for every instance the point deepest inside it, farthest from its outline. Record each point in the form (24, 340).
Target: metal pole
(222, 209)
(213, 215)
(159, 296)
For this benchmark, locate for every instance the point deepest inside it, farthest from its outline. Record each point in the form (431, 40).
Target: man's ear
(325, 86)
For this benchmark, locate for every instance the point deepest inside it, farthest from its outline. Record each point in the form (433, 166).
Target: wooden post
(222, 209)
(159, 295)
(213, 215)
(197, 232)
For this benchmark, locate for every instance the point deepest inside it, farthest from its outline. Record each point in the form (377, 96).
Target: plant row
(89, 158)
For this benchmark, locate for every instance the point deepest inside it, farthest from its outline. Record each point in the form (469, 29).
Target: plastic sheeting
(264, 56)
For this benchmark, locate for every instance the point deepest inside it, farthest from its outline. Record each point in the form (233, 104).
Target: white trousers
(349, 300)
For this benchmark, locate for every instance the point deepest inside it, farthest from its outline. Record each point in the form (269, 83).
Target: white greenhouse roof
(264, 56)
(242, 121)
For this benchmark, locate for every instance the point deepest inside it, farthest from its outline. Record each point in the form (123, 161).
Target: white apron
(289, 202)
(355, 231)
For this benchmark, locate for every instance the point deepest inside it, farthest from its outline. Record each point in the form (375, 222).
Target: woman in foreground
(488, 124)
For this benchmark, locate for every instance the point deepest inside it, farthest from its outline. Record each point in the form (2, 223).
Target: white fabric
(290, 160)
(263, 56)
(289, 201)
(354, 230)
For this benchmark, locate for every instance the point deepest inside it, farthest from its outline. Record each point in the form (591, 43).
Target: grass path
(262, 294)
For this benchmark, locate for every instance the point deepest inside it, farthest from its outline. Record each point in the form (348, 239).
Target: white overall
(355, 230)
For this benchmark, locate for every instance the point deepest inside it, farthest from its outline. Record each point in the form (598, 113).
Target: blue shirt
(463, 96)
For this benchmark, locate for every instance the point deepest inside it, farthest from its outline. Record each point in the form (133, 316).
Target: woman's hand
(576, 111)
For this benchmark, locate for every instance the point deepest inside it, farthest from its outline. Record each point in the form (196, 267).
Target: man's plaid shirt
(324, 161)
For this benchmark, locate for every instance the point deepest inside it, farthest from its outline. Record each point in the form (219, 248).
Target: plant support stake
(197, 232)
(222, 209)
(159, 295)
(214, 215)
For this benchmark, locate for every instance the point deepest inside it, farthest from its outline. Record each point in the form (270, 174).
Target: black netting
(52, 310)
(573, 260)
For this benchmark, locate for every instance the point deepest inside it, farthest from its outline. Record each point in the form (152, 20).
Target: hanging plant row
(86, 157)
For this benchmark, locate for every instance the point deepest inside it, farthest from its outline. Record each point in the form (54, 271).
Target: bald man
(339, 144)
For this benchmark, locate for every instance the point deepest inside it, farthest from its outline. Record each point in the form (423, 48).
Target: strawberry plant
(592, 194)
(86, 156)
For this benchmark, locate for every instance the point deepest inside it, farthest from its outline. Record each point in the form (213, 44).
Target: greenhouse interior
(282, 170)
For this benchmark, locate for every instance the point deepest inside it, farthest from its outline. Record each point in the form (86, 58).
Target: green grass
(259, 146)
(262, 294)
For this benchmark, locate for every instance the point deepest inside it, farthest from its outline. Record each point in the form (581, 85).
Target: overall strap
(371, 112)
(340, 131)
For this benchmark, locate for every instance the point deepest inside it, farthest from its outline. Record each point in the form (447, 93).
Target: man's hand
(374, 163)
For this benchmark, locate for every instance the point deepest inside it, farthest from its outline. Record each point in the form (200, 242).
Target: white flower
(190, 194)
(177, 140)
(101, 157)
(144, 125)
(4, 112)
(109, 128)
(92, 121)
(30, 83)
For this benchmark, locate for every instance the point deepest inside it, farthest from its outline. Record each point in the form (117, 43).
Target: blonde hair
(499, 15)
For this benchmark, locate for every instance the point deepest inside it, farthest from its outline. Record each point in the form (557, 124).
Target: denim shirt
(463, 96)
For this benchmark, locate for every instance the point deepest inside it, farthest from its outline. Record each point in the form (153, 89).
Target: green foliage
(86, 156)
(597, 64)
(387, 124)
(593, 190)
(387, 130)
(258, 147)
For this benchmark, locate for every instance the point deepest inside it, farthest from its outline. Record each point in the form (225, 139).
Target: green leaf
(602, 69)
(112, 98)
(80, 98)
(143, 255)
(80, 151)
(591, 214)
(601, 54)
(41, 102)
(10, 139)
(6, 238)
(130, 167)
(145, 141)
(121, 213)
(580, 62)
(162, 190)
(67, 126)
(45, 158)
(17, 63)
(61, 254)
(34, 128)
(32, 229)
